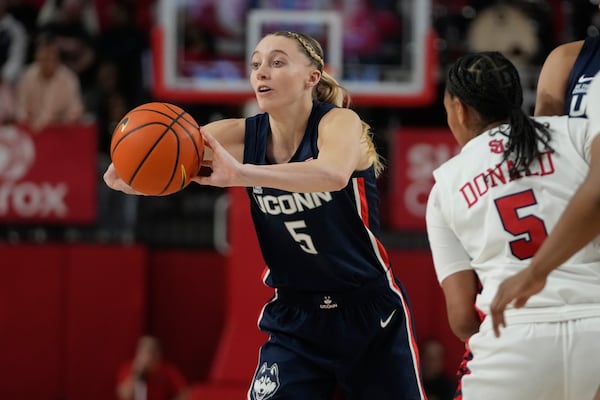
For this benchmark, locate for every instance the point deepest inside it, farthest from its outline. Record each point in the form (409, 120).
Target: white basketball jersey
(481, 218)
(593, 101)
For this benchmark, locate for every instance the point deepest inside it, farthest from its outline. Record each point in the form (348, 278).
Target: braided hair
(328, 90)
(490, 84)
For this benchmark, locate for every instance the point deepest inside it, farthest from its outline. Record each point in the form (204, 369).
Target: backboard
(381, 51)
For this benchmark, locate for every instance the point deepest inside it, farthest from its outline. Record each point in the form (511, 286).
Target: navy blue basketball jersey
(320, 241)
(586, 66)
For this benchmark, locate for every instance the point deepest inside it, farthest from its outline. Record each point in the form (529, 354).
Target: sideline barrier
(49, 176)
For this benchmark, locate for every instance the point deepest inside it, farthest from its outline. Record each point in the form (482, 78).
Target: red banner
(50, 176)
(416, 153)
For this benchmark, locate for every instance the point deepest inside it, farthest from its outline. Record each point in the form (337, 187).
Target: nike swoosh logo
(386, 322)
(584, 79)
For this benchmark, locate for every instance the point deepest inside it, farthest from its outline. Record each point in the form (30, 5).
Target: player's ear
(313, 78)
(462, 111)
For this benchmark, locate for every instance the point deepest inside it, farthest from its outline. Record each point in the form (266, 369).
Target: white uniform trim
(593, 101)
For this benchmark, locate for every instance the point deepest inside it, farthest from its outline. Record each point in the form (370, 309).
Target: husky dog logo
(17, 153)
(266, 382)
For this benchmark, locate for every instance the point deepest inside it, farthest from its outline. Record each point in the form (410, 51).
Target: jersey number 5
(516, 225)
(303, 239)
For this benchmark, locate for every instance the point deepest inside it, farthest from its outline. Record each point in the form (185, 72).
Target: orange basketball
(157, 148)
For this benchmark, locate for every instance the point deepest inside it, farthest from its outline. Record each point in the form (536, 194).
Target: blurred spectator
(117, 213)
(107, 102)
(506, 28)
(13, 50)
(438, 385)
(149, 377)
(76, 39)
(362, 36)
(53, 11)
(48, 92)
(123, 44)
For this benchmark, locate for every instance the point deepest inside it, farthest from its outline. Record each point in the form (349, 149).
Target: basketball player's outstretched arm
(230, 134)
(341, 152)
(554, 77)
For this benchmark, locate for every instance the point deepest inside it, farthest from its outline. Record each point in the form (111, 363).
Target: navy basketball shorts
(360, 342)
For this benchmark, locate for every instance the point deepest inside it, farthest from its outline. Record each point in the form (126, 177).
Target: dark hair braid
(490, 84)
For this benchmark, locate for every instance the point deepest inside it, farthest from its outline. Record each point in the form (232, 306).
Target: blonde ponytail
(328, 90)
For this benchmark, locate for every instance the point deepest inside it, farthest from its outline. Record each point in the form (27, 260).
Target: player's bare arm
(553, 79)
(460, 290)
(230, 135)
(341, 152)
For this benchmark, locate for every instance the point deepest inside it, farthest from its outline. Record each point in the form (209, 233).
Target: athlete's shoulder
(559, 124)
(570, 136)
(563, 126)
(340, 112)
(566, 51)
(448, 167)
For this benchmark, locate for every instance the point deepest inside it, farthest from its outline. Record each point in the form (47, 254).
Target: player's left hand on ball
(225, 168)
(114, 181)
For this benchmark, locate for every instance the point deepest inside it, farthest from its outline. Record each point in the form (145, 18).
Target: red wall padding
(237, 353)
(105, 309)
(415, 270)
(186, 295)
(31, 322)
(69, 315)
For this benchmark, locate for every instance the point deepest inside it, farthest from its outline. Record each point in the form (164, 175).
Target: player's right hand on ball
(224, 167)
(113, 181)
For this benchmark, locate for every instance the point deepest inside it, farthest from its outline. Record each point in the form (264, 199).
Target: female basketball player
(338, 317)
(490, 209)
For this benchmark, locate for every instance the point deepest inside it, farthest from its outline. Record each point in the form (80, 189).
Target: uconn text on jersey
(291, 203)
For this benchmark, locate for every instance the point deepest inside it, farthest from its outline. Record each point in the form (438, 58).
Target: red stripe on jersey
(410, 332)
(364, 216)
(364, 205)
(265, 274)
(383, 254)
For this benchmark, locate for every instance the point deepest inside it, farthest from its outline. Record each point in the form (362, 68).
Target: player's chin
(264, 101)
